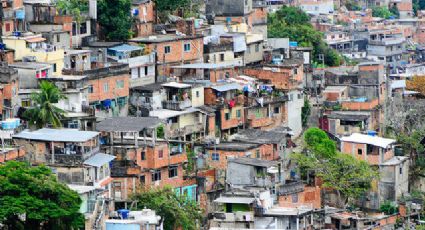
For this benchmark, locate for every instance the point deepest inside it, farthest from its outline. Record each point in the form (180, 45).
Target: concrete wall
(294, 111)
(238, 174)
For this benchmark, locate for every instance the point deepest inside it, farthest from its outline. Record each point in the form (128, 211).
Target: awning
(235, 200)
(37, 39)
(226, 87)
(99, 159)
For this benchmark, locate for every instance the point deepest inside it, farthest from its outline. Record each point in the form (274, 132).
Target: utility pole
(2, 55)
(321, 58)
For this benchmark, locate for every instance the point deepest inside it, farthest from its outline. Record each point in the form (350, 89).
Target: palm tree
(44, 111)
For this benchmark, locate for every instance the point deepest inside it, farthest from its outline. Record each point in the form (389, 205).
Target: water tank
(123, 213)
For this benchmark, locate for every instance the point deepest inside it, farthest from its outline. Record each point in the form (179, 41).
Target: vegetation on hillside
(176, 211)
(45, 112)
(32, 198)
(294, 23)
(115, 19)
(348, 176)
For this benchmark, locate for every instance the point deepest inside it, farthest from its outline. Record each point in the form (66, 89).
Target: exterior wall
(153, 161)
(145, 18)
(113, 91)
(177, 53)
(370, 105)
(197, 100)
(53, 57)
(12, 154)
(295, 104)
(309, 197)
(317, 7)
(280, 80)
(234, 121)
(373, 159)
(123, 187)
(254, 53)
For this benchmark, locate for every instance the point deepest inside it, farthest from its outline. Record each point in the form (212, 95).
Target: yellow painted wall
(197, 101)
(54, 57)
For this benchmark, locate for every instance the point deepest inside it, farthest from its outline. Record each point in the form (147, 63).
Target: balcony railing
(263, 182)
(123, 168)
(101, 69)
(70, 159)
(234, 217)
(290, 188)
(177, 105)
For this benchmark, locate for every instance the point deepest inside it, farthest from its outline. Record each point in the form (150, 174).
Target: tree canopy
(382, 12)
(417, 84)
(32, 198)
(44, 111)
(175, 210)
(115, 19)
(294, 23)
(348, 176)
(73, 7)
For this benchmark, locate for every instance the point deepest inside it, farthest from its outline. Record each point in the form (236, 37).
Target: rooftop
(99, 160)
(253, 162)
(349, 117)
(395, 161)
(176, 85)
(166, 113)
(30, 65)
(260, 136)
(368, 139)
(332, 89)
(127, 124)
(160, 38)
(57, 135)
(227, 87)
(223, 65)
(234, 200)
(126, 48)
(233, 146)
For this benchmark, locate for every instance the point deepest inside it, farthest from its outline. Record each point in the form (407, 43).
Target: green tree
(34, 192)
(388, 208)
(305, 112)
(73, 7)
(293, 23)
(175, 210)
(166, 7)
(348, 176)
(381, 12)
(418, 5)
(45, 112)
(394, 11)
(114, 17)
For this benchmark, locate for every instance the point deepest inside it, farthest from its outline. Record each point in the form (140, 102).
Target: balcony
(263, 182)
(124, 168)
(177, 105)
(291, 188)
(174, 131)
(234, 217)
(139, 60)
(100, 69)
(64, 157)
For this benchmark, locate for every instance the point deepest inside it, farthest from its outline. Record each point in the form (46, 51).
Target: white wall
(295, 104)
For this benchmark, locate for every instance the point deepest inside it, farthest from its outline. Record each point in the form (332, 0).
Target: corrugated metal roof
(235, 200)
(57, 135)
(99, 159)
(127, 124)
(370, 140)
(126, 48)
(227, 87)
(176, 85)
(206, 65)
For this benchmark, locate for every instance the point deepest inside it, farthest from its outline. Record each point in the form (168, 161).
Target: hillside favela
(212, 114)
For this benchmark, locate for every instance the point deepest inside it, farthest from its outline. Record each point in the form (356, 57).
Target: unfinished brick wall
(113, 92)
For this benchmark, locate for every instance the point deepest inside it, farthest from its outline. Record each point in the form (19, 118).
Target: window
(120, 84)
(54, 67)
(197, 93)
(105, 87)
(248, 49)
(74, 28)
(73, 124)
(299, 96)
(257, 48)
(83, 28)
(401, 170)
(26, 103)
(143, 156)
(146, 71)
(142, 179)
(58, 38)
(156, 175)
(359, 151)
(221, 57)
(215, 157)
(227, 116)
(90, 88)
(7, 25)
(276, 110)
(187, 47)
(160, 153)
(172, 172)
(238, 113)
(167, 49)
(295, 71)
(257, 153)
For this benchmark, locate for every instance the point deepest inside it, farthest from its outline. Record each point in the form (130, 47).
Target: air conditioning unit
(29, 59)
